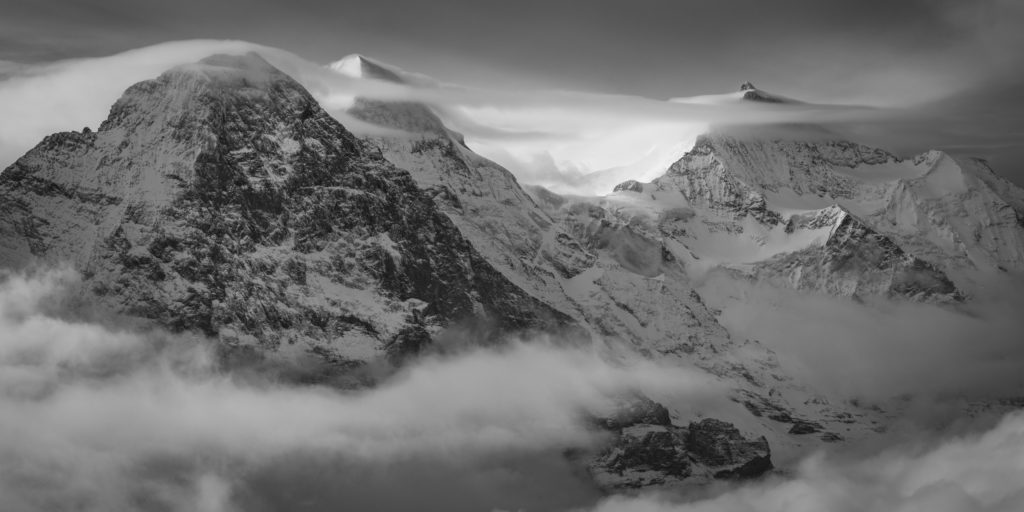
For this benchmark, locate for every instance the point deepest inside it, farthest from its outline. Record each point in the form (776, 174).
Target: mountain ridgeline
(222, 198)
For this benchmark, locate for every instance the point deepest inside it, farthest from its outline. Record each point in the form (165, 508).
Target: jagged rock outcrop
(800, 207)
(221, 197)
(854, 260)
(801, 158)
(630, 186)
(953, 213)
(751, 93)
(706, 181)
(648, 450)
(958, 215)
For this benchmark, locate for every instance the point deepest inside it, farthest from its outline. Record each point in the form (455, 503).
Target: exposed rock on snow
(648, 450)
(800, 207)
(854, 261)
(221, 197)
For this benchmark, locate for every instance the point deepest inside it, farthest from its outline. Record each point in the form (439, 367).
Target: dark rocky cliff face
(855, 260)
(647, 449)
(221, 197)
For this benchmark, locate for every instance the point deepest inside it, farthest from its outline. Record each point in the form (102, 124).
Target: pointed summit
(224, 184)
(360, 66)
(752, 93)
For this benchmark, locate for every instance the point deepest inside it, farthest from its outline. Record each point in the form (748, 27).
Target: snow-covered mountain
(222, 197)
(800, 206)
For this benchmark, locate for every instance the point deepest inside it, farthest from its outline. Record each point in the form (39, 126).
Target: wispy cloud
(578, 133)
(881, 349)
(971, 473)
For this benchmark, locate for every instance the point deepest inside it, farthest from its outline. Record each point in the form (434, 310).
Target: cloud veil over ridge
(552, 138)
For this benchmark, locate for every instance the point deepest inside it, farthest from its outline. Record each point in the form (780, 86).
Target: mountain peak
(752, 93)
(360, 66)
(247, 68)
(182, 95)
(747, 92)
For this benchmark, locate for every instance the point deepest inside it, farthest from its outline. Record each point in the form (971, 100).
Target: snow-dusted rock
(799, 206)
(220, 197)
(854, 260)
(646, 449)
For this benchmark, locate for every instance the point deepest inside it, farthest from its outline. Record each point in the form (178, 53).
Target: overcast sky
(887, 52)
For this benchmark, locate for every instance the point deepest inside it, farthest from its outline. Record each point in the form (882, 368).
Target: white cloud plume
(579, 133)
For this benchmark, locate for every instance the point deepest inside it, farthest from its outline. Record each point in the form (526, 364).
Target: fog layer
(100, 418)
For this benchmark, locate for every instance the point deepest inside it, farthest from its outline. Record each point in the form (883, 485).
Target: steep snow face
(361, 66)
(481, 197)
(794, 166)
(854, 261)
(960, 215)
(221, 197)
(738, 200)
(349, 65)
(93, 178)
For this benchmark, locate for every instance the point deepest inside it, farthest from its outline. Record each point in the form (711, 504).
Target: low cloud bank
(100, 418)
(883, 349)
(97, 417)
(975, 473)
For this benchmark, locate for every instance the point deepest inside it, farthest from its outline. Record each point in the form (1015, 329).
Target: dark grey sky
(866, 51)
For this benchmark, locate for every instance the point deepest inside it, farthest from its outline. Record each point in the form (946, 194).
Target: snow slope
(221, 197)
(740, 199)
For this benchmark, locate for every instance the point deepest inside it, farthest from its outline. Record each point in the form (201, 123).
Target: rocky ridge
(221, 197)
(649, 450)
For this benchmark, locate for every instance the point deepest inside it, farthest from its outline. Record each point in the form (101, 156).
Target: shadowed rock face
(808, 210)
(646, 449)
(221, 197)
(483, 199)
(718, 444)
(854, 261)
(630, 186)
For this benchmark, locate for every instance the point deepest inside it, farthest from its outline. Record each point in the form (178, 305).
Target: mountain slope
(220, 196)
(743, 196)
